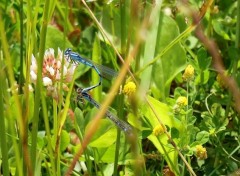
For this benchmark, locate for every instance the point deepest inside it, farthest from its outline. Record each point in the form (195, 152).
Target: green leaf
(164, 112)
(203, 77)
(202, 137)
(79, 119)
(203, 60)
(167, 118)
(173, 61)
(200, 163)
(174, 133)
(108, 170)
(22, 97)
(106, 153)
(190, 135)
(64, 141)
(191, 119)
(105, 140)
(179, 91)
(219, 120)
(105, 136)
(219, 29)
(41, 142)
(233, 53)
(55, 39)
(150, 46)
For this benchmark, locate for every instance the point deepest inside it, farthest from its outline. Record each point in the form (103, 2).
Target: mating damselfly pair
(83, 93)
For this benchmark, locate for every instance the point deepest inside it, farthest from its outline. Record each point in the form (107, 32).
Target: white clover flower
(47, 81)
(33, 76)
(52, 72)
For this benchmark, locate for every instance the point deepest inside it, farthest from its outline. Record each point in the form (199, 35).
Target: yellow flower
(221, 82)
(188, 73)
(182, 101)
(201, 152)
(212, 131)
(129, 88)
(158, 130)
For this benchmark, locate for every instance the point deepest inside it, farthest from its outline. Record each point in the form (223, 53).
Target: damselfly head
(79, 90)
(79, 97)
(67, 52)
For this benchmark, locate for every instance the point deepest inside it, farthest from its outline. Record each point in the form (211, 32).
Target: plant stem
(18, 111)
(21, 78)
(39, 83)
(3, 141)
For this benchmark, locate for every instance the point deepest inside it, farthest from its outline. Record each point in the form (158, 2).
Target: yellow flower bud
(182, 101)
(188, 73)
(158, 130)
(221, 82)
(201, 152)
(129, 88)
(212, 131)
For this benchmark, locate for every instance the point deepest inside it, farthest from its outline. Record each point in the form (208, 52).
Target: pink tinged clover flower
(52, 70)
